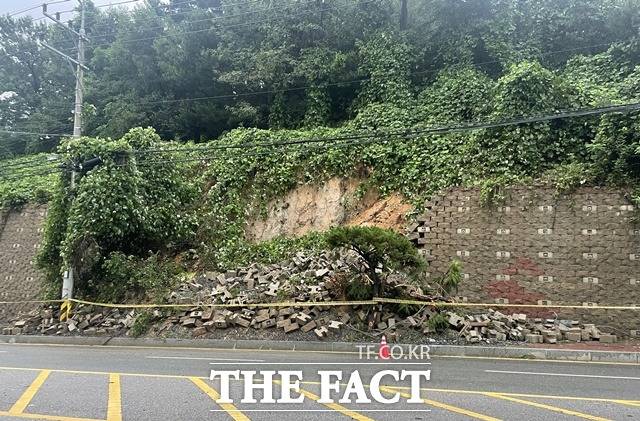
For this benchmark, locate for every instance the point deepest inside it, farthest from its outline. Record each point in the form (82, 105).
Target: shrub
(380, 249)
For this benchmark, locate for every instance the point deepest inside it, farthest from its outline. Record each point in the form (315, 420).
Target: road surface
(84, 383)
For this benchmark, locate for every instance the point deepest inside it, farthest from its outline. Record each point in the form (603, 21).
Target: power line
(35, 133)
(212, 19)
(465, 126)
(37, 161)
(359, 139)
(172, 14)
(97, 7)
(37, 6)
(269, 152)
(178, 35)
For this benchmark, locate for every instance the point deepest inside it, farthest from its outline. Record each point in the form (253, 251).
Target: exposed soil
(318, 207)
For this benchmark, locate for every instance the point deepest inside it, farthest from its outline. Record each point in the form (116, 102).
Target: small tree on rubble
(380, 249)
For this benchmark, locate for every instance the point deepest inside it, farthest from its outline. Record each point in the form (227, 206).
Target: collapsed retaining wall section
(20, 237)
(539, 247)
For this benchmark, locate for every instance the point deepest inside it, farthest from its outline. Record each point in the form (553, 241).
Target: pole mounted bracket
(56, 19)
(60, 53)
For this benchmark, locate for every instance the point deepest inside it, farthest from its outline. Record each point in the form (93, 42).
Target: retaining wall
(539, 247)
(20, 236)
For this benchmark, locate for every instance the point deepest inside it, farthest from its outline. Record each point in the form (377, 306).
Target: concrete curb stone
(346, 347)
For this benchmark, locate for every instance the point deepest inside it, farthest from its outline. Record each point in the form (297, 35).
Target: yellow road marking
(233, 412)
(461, 391)
(28, 394)
(336, 407)
(114, 405)
(444, 406)
(102, 373)
(631, 403)
(44, 417)
(547, 407)
(520, 395)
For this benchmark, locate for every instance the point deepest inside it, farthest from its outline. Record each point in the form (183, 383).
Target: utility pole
(403, 15)
(68, 278)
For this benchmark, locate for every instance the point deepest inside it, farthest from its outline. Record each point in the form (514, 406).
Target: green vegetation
(123, 212)
(451, 280)
(251, 58)
(275, 250)
(438, 323)
(142, 323)
(18, 186)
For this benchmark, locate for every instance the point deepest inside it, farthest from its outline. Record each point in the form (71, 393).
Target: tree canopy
(196, 69)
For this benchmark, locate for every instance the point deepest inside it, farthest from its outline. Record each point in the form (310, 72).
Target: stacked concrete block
(20, 237)
(582, 247)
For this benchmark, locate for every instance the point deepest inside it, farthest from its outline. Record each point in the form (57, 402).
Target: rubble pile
(303, 278)
(86, 320)
(310, 279)
(497, 326)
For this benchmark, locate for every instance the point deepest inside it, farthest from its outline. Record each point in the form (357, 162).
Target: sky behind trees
(11, 6)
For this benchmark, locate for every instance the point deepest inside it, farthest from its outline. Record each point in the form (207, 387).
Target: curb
(343, 347)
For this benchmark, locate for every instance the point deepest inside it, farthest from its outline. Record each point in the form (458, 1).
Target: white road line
(318, 363)
(592, 376)
(201, 358)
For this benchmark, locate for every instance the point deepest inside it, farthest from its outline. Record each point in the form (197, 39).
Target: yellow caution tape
(235, 305)
(463, 304)
(66, 304)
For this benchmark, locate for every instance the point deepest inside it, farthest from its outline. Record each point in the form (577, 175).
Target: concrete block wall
(20, 237)
(539, 247)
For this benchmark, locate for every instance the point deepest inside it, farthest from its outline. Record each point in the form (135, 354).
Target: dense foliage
(280, 92)
(380, 250)
(194, 69)
(127, 205)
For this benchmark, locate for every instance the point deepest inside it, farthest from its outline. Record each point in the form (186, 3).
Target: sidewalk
(595, 352)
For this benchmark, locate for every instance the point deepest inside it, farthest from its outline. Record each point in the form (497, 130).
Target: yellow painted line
(102, 373)
(519, 395)
(399, 388)
(114, 405)
(28, 394)
(233, 412)
(44, 417)
(630, 403)
(336, 407)
(446, 407)
(547, 407)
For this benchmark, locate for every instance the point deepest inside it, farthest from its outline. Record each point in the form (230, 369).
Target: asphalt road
(79, 383)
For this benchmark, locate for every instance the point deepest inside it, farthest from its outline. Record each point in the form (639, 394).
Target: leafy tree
(527, 89)
(386, 60)
(122, 205)
(457, 95)
(380, 249)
